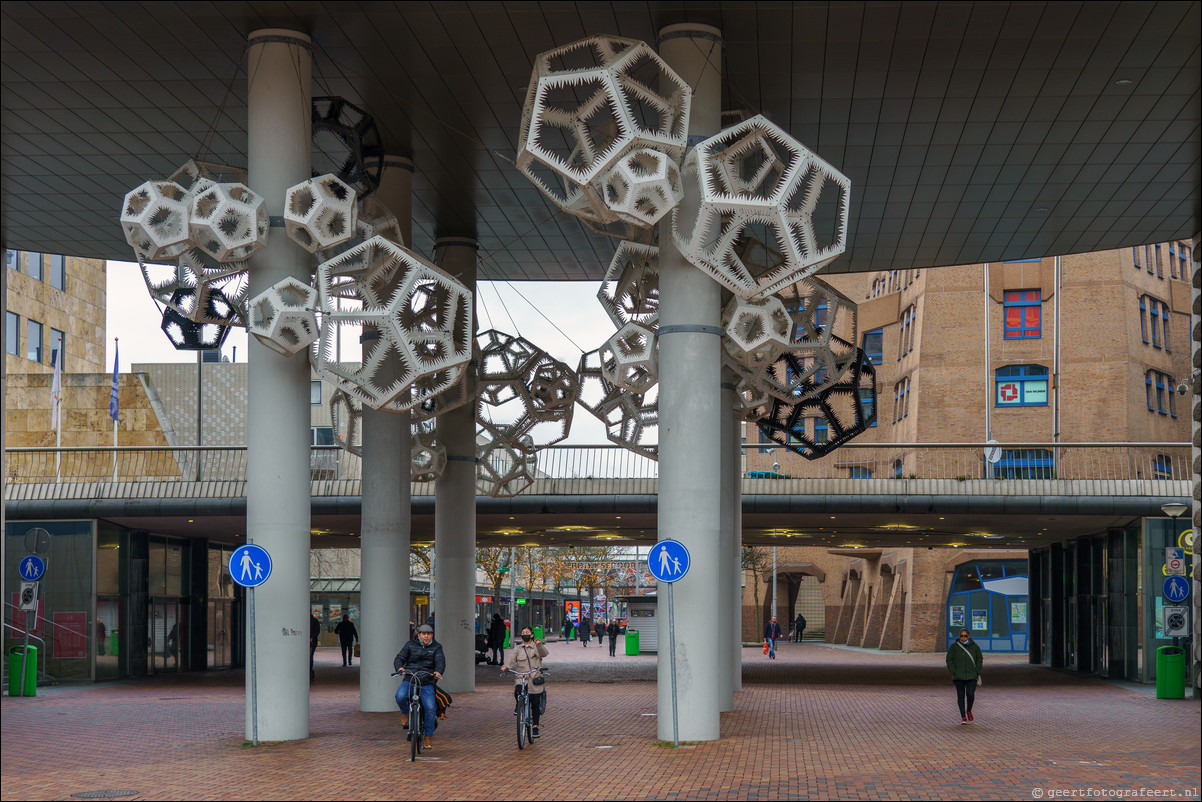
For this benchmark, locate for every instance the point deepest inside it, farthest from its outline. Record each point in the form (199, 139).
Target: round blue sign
(1176, 589)
(32, 568)
(668, 561)
(250, 565)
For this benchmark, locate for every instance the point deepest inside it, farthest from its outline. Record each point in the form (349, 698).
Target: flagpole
(56, 393)
(113, 403)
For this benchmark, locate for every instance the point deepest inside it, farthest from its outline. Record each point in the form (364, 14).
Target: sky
(568, 318)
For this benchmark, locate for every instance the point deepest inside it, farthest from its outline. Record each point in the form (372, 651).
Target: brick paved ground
(820, 722)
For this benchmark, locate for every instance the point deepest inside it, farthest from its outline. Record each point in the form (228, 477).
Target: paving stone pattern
(821, 722)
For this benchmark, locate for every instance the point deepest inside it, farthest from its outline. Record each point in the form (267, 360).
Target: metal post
(690, 427)
(199, 409)
(672, 649)
(279, 143)
(254, 671)
(774, 581)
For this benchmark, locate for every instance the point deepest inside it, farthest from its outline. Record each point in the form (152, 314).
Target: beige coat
(527, 657)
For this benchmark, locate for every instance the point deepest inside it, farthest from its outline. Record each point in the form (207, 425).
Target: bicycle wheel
(415, 730)
(523, 712)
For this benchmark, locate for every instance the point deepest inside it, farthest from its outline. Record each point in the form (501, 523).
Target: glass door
(166, 634)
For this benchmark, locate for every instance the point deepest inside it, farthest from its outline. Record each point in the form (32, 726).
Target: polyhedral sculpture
(629, 358)
(282, 317)
(505, 462)
(631, 419)
(347, 143)
(757, 332)
(188, 335)
(228, 221)
(771, 212)
(418, 318)
(155, 220)
(630, 290)
(524, 392)
(846, 409)
(346, 416)
(320, 213)
(427, 455)
(589, 105)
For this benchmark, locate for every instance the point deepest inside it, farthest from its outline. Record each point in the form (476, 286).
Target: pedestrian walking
(566, 628)
(964, 661)
(347, 635)
(314, 632)
(599, 631)
(496, 640)
(772, 634)
(584, 632)
(612, 630)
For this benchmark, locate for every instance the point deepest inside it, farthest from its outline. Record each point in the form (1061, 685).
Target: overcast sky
(509, 306)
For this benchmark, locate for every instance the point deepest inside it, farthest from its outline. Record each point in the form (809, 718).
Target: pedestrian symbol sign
(668, 561)
(1176, 589)
(32, 568)
(250, 565)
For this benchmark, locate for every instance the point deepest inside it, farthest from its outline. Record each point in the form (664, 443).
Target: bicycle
(416, 712)
(525, 728)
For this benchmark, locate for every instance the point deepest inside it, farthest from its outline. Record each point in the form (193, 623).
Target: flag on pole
(113, 391)
(56, 385)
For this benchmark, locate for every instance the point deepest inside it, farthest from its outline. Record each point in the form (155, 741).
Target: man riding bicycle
(423, 656)
(527, 657)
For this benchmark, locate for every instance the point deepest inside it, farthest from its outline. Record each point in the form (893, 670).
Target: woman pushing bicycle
(528, 660)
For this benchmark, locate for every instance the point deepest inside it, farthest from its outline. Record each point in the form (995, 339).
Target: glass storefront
(989, 599)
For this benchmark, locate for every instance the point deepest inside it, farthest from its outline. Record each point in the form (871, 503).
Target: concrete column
(455, 506)
(1194, 664)
(385, 525)
(279, 63)
(735, 555)
(727, 594)
(690, 426)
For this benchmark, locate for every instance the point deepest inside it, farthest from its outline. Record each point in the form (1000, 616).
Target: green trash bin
(632, 641)
(1170, 672)
(538, 632)
(507, 639)
(113, 643)
(30, 685)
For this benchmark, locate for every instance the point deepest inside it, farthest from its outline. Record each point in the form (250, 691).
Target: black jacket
(346, 631)
(613, 630)
(416, 656)
(496, 634)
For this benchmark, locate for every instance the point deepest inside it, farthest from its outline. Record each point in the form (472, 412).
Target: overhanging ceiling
(970, 131)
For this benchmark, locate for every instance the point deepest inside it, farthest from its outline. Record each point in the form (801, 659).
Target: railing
(562, 469)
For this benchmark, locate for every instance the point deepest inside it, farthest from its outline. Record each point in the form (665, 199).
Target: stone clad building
(1012, 352)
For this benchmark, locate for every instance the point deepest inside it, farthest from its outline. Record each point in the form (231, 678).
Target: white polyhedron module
(770, 213)
(282, 317)
(228, 221)
(320, 213)
(588, 106)
(415, 321)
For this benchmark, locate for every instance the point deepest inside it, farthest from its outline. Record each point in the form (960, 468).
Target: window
(1135, 257)
(58, 272)
(873, 344)
(897, 468)
(1179, 260)
(1024, 463)
(1023, 312)
(1154, 322)
(315, 393)
(1159, 388)
(1022, 386)
(1156, 259)
(764, 438)
(12, 332)
(12, 260)
(33, 265)
(821, 430)
(901, 399)
(1162, 467)
(867, 406)
(905, 339)
(321, 435)
(58, 341)
(859, 472)
(33, 341)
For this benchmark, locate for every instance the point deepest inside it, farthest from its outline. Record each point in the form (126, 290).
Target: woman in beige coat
(528, 655)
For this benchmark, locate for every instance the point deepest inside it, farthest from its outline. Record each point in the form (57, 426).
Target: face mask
(526, 637)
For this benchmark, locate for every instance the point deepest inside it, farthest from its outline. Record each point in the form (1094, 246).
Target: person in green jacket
(964, 661)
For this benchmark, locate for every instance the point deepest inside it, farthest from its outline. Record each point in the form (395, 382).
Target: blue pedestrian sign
(1176, 589)
(32, 568)
(668, 560)
(250, 565)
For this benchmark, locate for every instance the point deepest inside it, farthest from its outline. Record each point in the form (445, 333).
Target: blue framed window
(33, 341)
(821, 430)
(1025, 463)
(58, 272)
(989, 598)
(1158, 388)
(1021, 386)
(859, 472)
(897, 468)
(866, 408)
(1023, 314)
(1156, 259)
(1162, 467)
(905, 337)
(764, 438)
(873, 344)
(1154, 322)
(901, 399)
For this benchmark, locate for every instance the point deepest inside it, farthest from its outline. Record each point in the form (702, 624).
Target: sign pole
(672, 660)
(254, 673)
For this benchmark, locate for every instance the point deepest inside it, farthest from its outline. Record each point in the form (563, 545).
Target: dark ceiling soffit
(585, 505)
